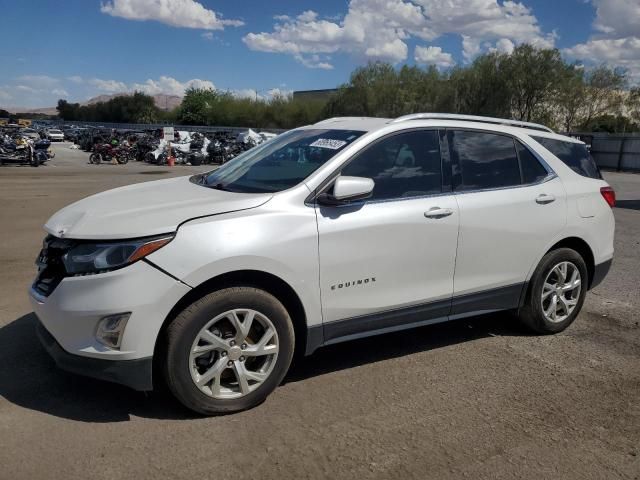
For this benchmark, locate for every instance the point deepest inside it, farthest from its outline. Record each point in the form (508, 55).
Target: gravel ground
(478, 398)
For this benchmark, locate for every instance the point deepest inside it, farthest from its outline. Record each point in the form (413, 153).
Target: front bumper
(136, 374)
(71, 313)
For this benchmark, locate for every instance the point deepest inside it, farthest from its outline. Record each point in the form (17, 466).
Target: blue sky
(77, 49)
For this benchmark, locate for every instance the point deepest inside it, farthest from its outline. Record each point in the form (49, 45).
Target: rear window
(574, 155)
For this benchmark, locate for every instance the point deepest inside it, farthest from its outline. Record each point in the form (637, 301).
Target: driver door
(387, 262)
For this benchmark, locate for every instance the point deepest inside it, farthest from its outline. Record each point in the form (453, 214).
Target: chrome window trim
(310, 201)
(546, 179)
(551, 174)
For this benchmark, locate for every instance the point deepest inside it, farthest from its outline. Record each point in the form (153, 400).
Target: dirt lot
(477, 398)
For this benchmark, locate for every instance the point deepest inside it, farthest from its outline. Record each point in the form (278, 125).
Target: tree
(570, 99)
(602, 92)
(482, 88)
(632, 104)
(532, 76)
(68, 111)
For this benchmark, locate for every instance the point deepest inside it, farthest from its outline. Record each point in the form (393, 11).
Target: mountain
(162, 101)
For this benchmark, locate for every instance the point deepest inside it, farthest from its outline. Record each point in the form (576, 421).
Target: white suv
(343, 229)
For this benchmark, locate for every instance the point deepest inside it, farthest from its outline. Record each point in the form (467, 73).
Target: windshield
(280, 163)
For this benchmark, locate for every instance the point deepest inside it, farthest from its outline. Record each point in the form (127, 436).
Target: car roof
(370, 124)
(366, 124)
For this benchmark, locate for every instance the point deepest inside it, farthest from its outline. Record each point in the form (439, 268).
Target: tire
(95, 158)
(532, 314)
(181, 370)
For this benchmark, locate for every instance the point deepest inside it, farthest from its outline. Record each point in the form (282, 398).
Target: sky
(78, 49)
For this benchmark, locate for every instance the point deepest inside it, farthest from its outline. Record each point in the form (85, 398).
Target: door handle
(543, 199)
(437, 212)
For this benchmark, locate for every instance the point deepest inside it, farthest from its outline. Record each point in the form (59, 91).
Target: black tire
(183, 330)
(531, 314)
(95, 158)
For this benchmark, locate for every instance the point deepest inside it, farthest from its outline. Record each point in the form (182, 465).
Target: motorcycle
(105, 152)
(18, 150)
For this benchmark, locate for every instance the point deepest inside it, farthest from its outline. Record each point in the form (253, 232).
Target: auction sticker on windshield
(328, 143)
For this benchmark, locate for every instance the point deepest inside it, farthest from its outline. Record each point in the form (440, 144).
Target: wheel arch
(247, 278)
(582, 247)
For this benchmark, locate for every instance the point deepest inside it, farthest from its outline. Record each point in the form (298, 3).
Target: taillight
(609, 195)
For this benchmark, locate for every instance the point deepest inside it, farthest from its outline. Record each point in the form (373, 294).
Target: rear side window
(486, 160)
(532, 169)
(574, 155)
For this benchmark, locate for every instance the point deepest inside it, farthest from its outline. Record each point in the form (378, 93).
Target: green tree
(532, 76)
(602, 93)
(483, 87)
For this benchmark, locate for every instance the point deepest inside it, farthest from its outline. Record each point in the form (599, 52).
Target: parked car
(30, 133)
(335, 231)
(55, 135)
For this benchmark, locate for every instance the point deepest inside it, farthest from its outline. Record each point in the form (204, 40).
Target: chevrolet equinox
(326, 233)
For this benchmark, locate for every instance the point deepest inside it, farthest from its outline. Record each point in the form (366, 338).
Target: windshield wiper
(219, 186)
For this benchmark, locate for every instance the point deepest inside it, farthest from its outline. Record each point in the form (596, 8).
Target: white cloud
(39, 81)
(504, 45)
(109, 86)
(279, 93)
(619, 18)
(176, 13)
(75, 79)
(617, 41)
(433, 56)
(470, 47)
(313, 61)
(266, 95)
(379, 29)
(61, 92)
(170, 86)
(614, 52)
(207, 35)
(25, 88)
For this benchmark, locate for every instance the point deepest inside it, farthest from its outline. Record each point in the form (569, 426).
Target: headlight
(86, 258)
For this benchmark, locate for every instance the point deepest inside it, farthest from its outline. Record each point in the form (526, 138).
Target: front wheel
(556, 292)
(95, 158)
(228, 351)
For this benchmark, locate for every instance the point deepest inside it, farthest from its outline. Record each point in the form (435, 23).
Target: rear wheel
(556, 292)
(228, 351)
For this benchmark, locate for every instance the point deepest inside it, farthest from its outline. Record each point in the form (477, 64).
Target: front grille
(51, 269)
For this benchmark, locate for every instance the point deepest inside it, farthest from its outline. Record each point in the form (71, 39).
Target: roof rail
(338, 119)
(472, 118)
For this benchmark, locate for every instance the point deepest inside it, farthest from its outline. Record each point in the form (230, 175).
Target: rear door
(387, 262)
(510, 206)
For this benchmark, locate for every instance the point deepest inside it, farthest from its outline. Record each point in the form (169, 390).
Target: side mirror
(347, 189)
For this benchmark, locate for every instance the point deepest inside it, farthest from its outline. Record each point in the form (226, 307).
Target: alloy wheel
(561, 291)
(233, 354)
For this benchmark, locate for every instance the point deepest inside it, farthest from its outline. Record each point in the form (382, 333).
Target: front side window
(574, 155)
(280, 163)
(402, 165)
(486, 160)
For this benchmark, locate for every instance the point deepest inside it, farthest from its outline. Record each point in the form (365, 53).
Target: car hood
(149, 208)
